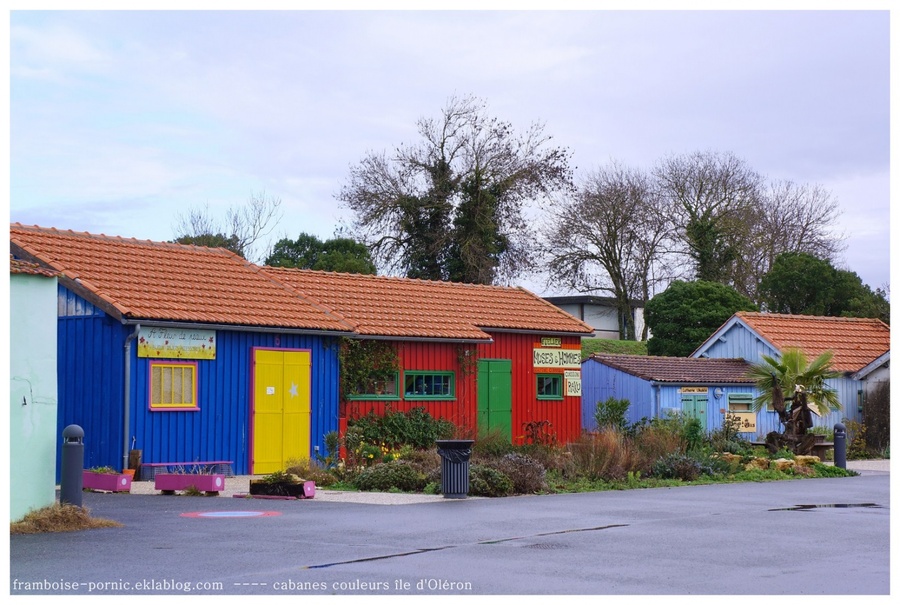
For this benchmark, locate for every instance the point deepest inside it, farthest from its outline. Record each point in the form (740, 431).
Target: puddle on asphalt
(802, 507)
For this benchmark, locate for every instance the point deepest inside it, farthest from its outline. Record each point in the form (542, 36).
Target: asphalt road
(744, 539)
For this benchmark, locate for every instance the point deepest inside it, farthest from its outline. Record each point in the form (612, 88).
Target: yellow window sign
(745, 421)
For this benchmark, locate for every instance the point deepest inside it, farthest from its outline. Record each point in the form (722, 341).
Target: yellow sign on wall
(177, 343)
(745, 421)
(694, 390)
(573, 383)
(557, 358)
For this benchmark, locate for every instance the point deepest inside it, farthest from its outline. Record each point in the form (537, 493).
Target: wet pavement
(808, 536)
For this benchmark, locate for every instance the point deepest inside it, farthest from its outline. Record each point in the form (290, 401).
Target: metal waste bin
(455, 454)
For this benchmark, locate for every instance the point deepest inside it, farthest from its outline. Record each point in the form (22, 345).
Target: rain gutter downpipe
(658, 399)
(126, 415)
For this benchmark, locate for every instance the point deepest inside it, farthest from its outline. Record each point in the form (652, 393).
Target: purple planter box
(203, 483)
(106, 481)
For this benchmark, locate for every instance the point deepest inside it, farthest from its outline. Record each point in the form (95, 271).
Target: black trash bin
(455, 454)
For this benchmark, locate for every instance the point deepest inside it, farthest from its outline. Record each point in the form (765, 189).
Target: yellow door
(281, 409)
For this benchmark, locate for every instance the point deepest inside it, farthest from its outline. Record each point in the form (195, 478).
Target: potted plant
(169, 483)
(105, 478)
(283, 485)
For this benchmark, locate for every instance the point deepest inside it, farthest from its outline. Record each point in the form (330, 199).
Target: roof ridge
(665, 357)
(796, 316)
(120, 239)
(402, 279)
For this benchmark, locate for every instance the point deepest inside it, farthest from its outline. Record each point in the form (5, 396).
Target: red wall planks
(563, 415)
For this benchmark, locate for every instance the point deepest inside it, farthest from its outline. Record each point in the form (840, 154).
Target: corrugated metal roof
(678, 369)
(411, 308)
(172, 282)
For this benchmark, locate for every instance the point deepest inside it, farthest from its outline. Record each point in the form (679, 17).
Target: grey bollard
(840, 445)
(71, 479)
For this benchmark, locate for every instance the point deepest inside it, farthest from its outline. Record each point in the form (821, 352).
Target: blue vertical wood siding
(652, 400)
(739, 342)
(90, 362)
(91, 367)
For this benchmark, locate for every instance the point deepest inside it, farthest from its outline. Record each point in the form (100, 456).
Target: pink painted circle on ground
(232, 514)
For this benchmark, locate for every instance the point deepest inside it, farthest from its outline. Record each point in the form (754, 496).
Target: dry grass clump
(607, 455)
(59, 518)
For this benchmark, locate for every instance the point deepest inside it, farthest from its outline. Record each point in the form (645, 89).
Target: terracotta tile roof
(410, 308)
(678, 369)
(171, 282)
(856, 342)
(22, 267)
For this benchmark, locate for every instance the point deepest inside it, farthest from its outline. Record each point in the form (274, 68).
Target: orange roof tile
(411, 308)
(22, 267)
(855, 342)
(172, 282)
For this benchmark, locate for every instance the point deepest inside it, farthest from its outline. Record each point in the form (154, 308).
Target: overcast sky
(119, 121)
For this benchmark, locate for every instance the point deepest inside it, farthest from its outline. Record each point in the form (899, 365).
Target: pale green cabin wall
(33, 438)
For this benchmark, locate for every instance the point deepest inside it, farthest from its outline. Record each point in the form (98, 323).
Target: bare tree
(610, 237)
(712, 198)
(451, 207)
(790, 218)
(240, 231)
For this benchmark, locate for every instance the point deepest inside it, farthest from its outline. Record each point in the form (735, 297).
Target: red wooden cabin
(487, 358)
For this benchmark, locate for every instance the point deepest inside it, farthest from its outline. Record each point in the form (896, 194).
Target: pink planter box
(105, 481)
(203, 483)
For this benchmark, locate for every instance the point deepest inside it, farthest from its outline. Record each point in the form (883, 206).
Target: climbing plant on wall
(365, 363)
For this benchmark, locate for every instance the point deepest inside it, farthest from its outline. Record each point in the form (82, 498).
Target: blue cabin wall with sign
(91, 367)
(739, 341)
(650, 399)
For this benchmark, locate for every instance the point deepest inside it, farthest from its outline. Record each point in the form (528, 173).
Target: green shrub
(488, 482)
(396, 475)
(677, 466)
(311, 472)
(693, 434)
(527, 474)
(492, 444)
(394, 429)
(611, 414)
(689, 467)
(825, 470)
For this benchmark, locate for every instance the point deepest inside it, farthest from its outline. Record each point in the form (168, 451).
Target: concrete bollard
(71, 479)
(840, 445)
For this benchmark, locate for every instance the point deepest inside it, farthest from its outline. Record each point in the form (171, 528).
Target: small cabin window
(740, 402)
(173, 385)
(428, 385)
(549, 386)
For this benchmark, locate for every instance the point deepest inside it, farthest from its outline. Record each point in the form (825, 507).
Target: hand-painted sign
(573, 383)
(694, 390)
(745, 421)
(551, 342)
(177, 343)
(557, 358)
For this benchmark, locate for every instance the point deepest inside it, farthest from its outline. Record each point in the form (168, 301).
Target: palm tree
(777, 376)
